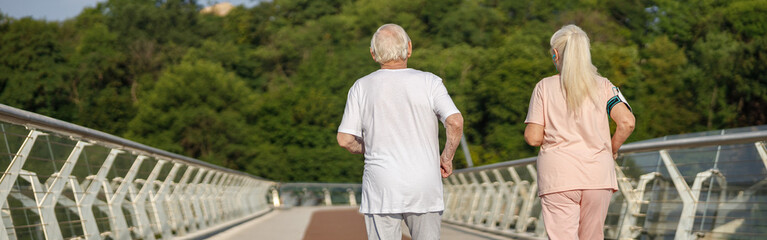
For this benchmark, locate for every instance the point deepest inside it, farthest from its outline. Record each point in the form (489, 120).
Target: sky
(58, 10)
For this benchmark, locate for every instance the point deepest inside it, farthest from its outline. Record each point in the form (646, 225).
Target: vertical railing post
(138, 202)
(194, 219)
(276, 197)
(179, 203)
(46, 202)
(634, 200)
(466, 199)
(228, 199)
(85, 202)
(762, 150)
(352, 197)
(498, 201)
(201, 191)
(477, 189)
(242, 194)
(454, 198)
(12, 173)
(219, 191)
(529, 200)
(518, 189)
(447, 191)
(117, 221)
(484, 202)
(686, 220)
(209, 196)
(158, 200)
(697, 186)
(326, 194)
(212, 193)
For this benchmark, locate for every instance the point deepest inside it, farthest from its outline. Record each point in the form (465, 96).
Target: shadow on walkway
(337, 225)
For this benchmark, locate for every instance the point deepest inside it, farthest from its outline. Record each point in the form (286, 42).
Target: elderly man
(391, 117)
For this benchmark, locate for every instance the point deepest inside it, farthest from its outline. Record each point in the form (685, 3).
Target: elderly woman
(568, 119)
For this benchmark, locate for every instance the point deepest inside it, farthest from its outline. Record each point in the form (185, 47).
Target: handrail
(518, 162)
(702, 141)
(37, 121)
(328, 185)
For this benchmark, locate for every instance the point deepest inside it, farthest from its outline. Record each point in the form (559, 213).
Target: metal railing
(66, 181)
(710, 185)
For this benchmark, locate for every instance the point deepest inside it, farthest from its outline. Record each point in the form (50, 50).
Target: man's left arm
(445, 109)
(454, 131)
(351, 143)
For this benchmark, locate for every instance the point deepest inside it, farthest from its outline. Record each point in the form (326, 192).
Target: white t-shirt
(395, 111)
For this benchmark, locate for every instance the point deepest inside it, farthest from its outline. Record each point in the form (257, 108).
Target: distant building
(219, 9)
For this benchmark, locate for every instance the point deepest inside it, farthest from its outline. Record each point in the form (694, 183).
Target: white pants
(423, 226)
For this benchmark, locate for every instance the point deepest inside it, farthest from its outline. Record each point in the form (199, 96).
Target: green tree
(103, 100)
(196, 108)
(665, 99)
(716, 56)
(33, 69)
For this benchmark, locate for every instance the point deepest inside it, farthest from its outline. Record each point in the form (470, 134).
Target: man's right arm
(351, 124)
(454, 130)
(351, 143)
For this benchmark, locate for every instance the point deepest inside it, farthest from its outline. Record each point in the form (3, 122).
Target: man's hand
(446, 165)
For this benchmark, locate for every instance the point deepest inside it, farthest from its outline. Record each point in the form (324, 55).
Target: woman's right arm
(625, 122)
(534, 134)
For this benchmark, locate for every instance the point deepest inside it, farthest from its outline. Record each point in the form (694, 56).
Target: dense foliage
(262, 89)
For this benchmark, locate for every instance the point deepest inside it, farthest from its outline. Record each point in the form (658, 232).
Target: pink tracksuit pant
(576, 214)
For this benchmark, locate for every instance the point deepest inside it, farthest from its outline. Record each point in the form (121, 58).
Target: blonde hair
(577, 73)
(389, 43)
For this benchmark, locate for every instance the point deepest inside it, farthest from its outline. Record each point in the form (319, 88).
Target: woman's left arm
(625, 122)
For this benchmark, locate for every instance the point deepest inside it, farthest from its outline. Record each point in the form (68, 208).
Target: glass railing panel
(741, 165)
(692, 161)
(636, 164)
(314, 194)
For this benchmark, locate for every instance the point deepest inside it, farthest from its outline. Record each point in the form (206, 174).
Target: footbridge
(64, 181)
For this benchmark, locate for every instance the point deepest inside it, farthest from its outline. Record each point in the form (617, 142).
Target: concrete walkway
(291, 224)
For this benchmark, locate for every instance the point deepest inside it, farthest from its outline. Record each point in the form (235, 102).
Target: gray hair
(389, 43)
